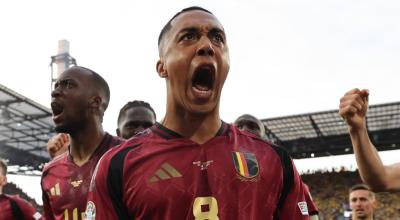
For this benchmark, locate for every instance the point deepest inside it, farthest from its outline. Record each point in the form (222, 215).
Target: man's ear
(118, 132)
(95, 102)
(3, 180)
(162, 71)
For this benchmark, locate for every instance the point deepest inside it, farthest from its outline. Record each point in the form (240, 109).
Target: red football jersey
(162, 175)
(65, 185)
(25, 208)
(312, 208)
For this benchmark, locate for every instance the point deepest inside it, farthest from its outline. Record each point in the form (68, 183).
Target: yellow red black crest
(246, 164)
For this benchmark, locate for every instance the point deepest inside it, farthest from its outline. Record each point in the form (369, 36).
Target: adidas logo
(166, 171)
(55, 190)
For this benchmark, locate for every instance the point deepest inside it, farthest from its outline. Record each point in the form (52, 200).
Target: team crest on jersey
(90, 213)
(246, 164)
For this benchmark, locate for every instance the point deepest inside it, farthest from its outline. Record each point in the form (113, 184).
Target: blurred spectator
(329, 190)
(362, 202)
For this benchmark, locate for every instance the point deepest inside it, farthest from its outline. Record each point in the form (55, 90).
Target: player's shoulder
(56, 161)
(17, 199)
(261, 143)
(115, 140)
(127, 145)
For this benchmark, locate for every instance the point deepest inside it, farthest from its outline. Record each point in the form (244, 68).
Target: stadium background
(296, 57)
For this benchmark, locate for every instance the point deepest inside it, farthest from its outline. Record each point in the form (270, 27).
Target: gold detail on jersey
(166, 171)
(203, 165)
(55, 190)
(76, 183)
(205, 208)
(74, 214)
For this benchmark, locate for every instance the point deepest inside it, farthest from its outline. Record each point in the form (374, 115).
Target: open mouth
(203, 78)
(56, 108)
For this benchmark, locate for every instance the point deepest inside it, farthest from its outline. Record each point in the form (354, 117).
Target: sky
(287, 57)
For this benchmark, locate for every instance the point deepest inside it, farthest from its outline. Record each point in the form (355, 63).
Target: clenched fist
(58, 144)
(353, 108)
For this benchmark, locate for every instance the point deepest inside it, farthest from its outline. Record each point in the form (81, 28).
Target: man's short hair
(101, 84)
(3, 167)
(168, 26)
(362, 186)
(135, 103)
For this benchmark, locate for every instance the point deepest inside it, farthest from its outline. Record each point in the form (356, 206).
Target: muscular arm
(353, 108)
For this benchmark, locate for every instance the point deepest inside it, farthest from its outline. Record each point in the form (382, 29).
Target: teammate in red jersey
(251, 124)
(134, 117)
(79, 100)
(14, 207)
(193, 165)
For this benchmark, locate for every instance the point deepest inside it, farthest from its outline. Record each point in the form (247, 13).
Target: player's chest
(234, 177)
(67, 189)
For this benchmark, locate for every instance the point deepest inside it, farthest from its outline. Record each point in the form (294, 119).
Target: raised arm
(353, 109)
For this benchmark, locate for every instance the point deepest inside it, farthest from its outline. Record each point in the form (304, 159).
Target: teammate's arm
(353, 109)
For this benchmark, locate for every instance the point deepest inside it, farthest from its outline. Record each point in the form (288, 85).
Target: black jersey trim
(288, 178)
(222, 130)
(16, 210)
(167, 133)
(115, 182)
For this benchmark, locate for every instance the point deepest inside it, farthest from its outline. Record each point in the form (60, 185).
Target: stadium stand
(325, 133)
(330, 193)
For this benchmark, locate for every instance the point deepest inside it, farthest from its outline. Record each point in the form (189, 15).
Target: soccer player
(193, 165)
(353, 109)
(251, 124)
(14, 207)
(79, 100)
(135, 117)
(362, 202)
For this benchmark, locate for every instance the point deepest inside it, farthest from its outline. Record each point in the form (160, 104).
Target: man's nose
(205, 48)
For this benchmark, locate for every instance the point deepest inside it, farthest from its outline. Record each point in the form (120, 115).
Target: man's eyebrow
(189, 29)
(217, 30)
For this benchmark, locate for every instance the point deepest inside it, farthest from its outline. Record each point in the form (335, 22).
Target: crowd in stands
(330, 193)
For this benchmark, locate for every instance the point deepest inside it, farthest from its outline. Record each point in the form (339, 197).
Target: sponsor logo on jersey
(203, 165)
(166, 171)
(246, 164)
(303, 207)
(90, 213)
(55, 190)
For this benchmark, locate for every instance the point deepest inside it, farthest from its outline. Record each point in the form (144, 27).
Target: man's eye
(68, 84)
(218, 38)
(189, 36)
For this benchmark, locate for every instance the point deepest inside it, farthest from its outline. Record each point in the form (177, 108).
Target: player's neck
(84, 143)
(197, 127)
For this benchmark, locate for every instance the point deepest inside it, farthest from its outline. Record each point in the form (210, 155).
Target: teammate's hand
(58, 144)
(353, 108)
